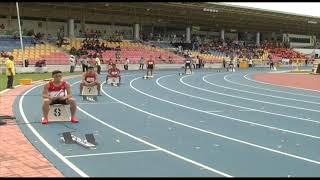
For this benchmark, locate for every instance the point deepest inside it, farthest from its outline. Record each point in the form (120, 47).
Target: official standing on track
(10, 72)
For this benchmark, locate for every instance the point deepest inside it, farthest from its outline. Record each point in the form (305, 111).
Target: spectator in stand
(40, 63)
(72, 50)
(33, 40)
(4, 54)
(16, 35)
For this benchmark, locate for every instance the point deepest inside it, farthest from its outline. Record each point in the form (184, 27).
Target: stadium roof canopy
(208, 16)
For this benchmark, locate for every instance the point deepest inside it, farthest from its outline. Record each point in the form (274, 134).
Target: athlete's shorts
(187, 65)
(58, 101)
(150, 66)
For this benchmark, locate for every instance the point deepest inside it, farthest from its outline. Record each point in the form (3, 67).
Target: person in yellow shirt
(10, 72)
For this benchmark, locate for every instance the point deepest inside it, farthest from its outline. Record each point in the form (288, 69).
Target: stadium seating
(8, 43)
(50, 53)
(132, 51)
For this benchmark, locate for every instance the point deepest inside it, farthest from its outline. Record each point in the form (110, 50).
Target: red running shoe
(74, 119)
(45, 121)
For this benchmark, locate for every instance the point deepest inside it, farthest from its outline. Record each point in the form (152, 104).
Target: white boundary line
(265, 102)
(150, 144)
(83, 174)
(215, 134)
(35, 132)
(111, 153)
(214, 114)
(230, 110)
(251, 109)
(279, 85)
(267, 95)
(3, 91)
(99, 103)
(296, 94)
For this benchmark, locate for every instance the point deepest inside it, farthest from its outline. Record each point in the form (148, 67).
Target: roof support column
(258, 39)
(71, 28)
(83, 25)
(188, 35)
(273, 35)
(46, 25)
(136, 32)
(222, 35)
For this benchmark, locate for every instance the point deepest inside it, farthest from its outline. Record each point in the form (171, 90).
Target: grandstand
(160, 35)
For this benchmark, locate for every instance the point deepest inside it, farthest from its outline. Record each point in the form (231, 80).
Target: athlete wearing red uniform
(109, 64)
(90, 79)
(150, 66)
(114, 72)
(58, 92)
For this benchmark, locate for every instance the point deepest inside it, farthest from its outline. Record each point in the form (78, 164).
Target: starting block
(232, 69)
(113, 81)
(188, 72)
(147, 77)
(88, 142)
(58, 113)
(90, 93)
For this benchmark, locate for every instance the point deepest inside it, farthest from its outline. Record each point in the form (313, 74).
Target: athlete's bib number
(90, 79)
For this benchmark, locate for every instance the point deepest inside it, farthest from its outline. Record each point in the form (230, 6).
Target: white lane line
(231, 110)
(35, 132)
(246, 110)
(215, 111)
(99, 103)
(206, 112)
(267, 95)
(218, 102)
(280, 85)
(285, 92)
(111, 153)
(215, 134)
(3, 91)
(265, 102)
(150, 144)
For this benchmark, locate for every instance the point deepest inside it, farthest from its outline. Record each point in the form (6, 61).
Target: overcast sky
(309, 9)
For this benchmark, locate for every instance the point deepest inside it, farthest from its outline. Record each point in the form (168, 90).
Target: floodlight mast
(21, 42)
